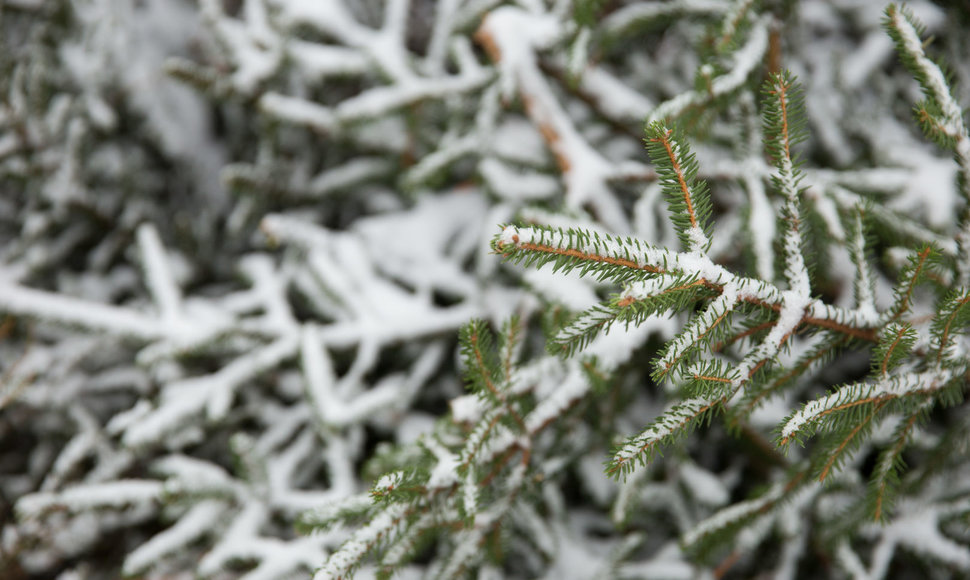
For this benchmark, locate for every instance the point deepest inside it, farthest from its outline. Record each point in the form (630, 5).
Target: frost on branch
(246, 275)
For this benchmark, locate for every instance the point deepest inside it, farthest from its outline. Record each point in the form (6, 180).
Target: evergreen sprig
(659, 295)
(598, 255)
(482, 362)
(469, 477)
(781, 379)
(688, 199)
(706, 327)
(939, 114)
(784, 129)
(764, 506)
(675, 423)
(885, 481)
(951, 320)
(851, 405)
(919, 269)
(896, 342)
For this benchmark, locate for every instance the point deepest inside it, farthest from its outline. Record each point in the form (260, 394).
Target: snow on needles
(857, 394)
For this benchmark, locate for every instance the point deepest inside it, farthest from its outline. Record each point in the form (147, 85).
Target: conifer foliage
(484, 289)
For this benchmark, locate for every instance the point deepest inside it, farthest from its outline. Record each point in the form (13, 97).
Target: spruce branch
(700, 329)
(675, 422)
(863, 284)
(473, 481)
(894, 346)
(904, 228)
(191, 527)
(709, 378)
(953, 316)
(624, 260)
(741, 513)
(732, 24)
(632, 307)
(510, 346)
(940, 115)
(911, 276)
(784, 128)
(485, 430)
(687, 197)
(815, 357)
(850, 403)
(485, 368)
(844, 445)
(885, 478)
(386, 525)
(158, 274)
(420, 532)
(630, 17)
